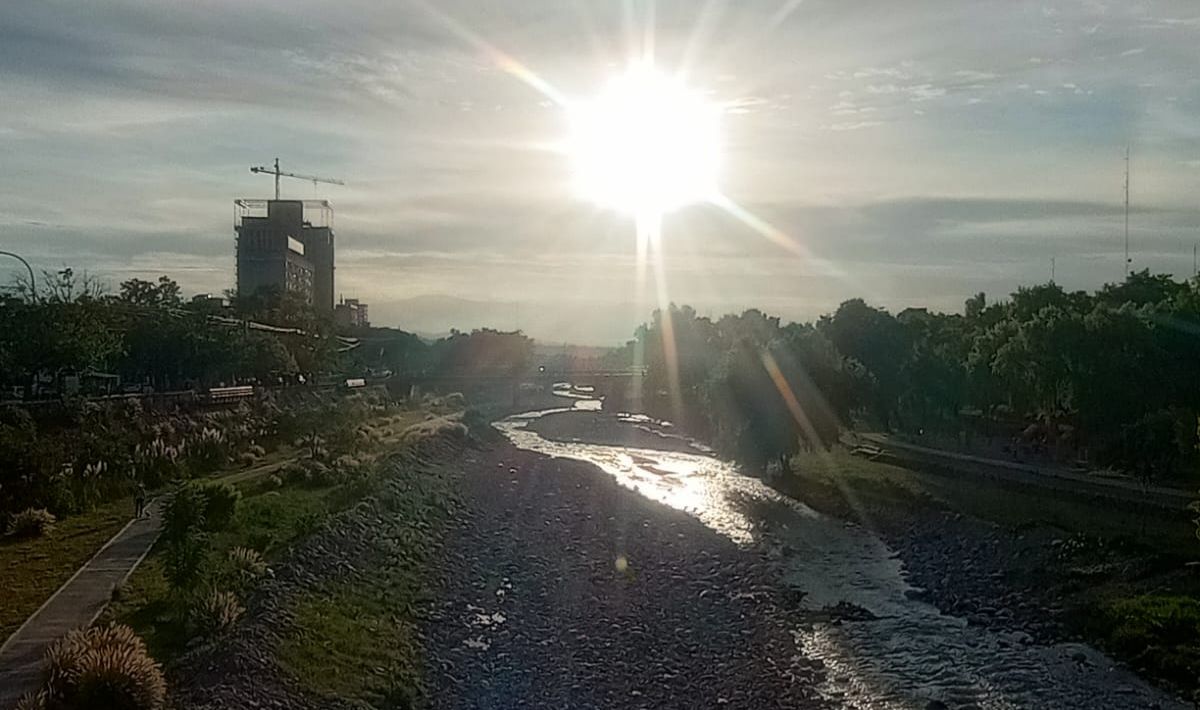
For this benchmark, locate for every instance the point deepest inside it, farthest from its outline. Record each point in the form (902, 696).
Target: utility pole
(1127, 211)
(1051, 269)
(1195, 272)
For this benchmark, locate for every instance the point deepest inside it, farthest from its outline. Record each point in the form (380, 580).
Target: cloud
(129, 128)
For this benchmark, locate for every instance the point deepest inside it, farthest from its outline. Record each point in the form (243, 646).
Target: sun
(646, 145)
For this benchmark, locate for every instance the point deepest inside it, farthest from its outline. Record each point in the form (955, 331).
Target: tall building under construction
(286, 245)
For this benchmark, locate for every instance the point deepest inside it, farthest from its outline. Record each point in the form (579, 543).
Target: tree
(65, 286)
(877, 340)
(148, 293)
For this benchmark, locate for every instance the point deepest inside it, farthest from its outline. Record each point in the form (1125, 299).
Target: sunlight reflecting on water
(694, 483)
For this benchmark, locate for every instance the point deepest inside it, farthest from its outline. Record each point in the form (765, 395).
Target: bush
(309, 472)
(217, 612)
(31, 522)
(156, 462)
(220, 505)
(208, 450)
(1151, 620)
(435, 428)
(184, 514)
(102, 667)
(246, 565)
(184, 560)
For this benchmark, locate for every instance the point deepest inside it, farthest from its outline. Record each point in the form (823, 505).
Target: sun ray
(649, 228)
(763, 227)
(706, 21)
(499, 57)
(804, 422)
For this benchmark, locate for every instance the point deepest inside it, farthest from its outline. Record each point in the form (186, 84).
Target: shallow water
(911, 653)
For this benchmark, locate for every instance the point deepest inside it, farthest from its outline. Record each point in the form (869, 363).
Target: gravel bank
(561, 589)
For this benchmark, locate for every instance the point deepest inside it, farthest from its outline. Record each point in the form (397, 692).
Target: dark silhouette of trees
(148, 293)
(1112, 376)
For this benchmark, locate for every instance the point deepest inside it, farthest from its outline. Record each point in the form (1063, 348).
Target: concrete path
(77, 603)
(1060, 479)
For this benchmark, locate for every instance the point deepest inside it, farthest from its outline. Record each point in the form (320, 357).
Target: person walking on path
(139, 500)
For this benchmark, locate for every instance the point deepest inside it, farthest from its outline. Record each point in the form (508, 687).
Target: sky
(918, 152)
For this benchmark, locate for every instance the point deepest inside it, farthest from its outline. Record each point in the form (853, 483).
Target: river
(904, 653)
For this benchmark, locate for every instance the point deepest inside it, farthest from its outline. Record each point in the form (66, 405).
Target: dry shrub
(31, 522)
(217, 612)
(102, 667)
(438, 427)
(32, 701)
(246, 564)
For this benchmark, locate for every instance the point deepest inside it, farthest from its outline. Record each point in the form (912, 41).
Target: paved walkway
(82, 597)
(77, 603)
(1092, 484)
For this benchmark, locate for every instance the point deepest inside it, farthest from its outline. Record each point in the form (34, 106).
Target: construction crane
(279, 173)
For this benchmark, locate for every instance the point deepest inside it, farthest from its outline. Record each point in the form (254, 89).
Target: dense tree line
(146, 334)
(1111, 376)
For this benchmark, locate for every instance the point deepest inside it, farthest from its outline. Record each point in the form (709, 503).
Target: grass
(266, 520)
(1155, 631)
(31, 569)
(356, 639)
(352, 644)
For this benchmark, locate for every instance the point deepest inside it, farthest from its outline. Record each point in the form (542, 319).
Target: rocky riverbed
(561, 588)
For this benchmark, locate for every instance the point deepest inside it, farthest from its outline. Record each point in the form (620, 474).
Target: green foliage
(102, 667)
(758, 390)
(309, 472)
(184, 513)
(184, 561)
(1162, 632)
(31, 522)
(149, 293)
(220, 505)
(1112, 376)
(482, 353)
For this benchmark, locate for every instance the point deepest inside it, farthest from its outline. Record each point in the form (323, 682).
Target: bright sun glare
(646, 145)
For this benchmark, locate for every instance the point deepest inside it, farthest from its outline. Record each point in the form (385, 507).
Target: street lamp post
(32, 282)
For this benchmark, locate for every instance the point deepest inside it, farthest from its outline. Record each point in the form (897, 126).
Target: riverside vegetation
(221, 537)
